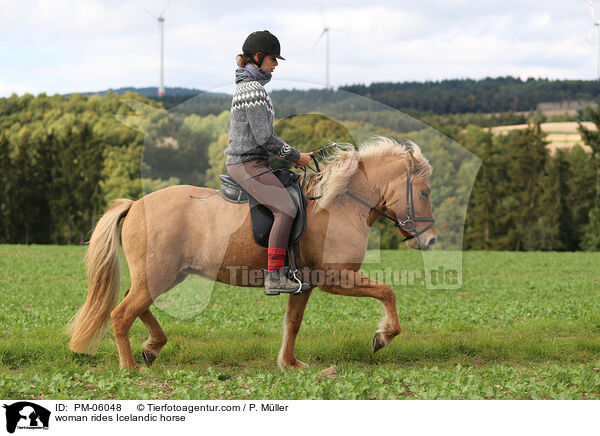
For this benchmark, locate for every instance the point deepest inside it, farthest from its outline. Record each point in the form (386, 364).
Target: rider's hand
(303, 161)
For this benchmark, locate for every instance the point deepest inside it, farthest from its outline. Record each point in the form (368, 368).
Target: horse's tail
(89, 324)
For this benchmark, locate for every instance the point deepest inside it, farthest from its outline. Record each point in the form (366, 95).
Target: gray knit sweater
(251, 133)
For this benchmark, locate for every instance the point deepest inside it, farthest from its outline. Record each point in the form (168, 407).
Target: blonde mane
(338, 168)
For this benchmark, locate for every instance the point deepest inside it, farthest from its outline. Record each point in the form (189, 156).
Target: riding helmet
(263, 42)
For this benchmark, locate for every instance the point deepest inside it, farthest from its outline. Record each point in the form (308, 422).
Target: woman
(251, 144)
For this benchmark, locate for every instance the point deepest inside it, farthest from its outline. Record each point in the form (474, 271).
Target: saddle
(262, 217)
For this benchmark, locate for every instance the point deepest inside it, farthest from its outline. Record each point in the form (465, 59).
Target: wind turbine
(325, 32)
(161, 21)
(595, 24)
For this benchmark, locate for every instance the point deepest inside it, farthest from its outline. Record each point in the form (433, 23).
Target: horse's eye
(425, 194)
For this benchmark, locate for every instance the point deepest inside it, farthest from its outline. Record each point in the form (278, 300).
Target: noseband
(409, 225)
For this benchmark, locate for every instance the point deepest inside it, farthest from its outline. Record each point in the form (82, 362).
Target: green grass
(524, 325)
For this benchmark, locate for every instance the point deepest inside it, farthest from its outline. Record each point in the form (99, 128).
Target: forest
(65, 158)
(458, 96)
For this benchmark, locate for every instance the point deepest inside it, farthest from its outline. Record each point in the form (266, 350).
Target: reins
(317, 170)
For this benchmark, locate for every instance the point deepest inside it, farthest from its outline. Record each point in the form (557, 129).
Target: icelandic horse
(166, 235)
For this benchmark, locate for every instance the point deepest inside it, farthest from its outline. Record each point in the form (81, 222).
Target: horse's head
(389, 176)
(406, 195)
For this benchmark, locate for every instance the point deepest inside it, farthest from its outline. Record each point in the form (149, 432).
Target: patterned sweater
(251, 133)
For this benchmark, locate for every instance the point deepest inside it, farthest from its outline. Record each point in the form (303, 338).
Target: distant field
(524, 325)
(560, 135)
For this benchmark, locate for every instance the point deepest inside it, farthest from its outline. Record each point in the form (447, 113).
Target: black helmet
(264, 42)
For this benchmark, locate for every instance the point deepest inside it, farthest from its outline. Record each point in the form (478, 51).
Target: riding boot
(277, 282)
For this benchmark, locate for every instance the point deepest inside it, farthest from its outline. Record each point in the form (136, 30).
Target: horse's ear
(410, 161)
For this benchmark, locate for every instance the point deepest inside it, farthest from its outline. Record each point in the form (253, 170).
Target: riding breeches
(268, 190)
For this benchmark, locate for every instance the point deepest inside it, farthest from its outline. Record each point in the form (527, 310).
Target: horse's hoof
(297, 364)
(378, 343)
(134, 368)
(149, 358)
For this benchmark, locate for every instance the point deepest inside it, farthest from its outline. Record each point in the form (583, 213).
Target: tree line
(445, 97)
(64, 159)
(487, 95)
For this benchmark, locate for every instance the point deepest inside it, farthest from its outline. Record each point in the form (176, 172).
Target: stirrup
(301, 286)
(284, 271)
(291, 252)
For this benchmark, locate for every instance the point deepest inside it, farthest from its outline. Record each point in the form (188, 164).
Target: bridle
(409, 225)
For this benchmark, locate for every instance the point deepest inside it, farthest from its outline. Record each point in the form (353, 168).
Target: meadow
(523, 326)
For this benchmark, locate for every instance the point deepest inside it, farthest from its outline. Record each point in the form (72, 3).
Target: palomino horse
(166, 235)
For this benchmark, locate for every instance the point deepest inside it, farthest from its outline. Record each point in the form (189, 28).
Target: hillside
(489, 96)
(148, 91)
(560, 135)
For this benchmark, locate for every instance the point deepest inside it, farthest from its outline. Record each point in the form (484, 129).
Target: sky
(61, 46)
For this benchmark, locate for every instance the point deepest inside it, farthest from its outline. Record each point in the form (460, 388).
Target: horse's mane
(340, 166)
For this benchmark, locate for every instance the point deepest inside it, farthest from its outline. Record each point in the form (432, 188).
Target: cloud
(65, 46)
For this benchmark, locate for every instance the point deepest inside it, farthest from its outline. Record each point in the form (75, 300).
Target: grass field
(524, 325)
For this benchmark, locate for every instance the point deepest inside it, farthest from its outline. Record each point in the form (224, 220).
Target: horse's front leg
(355, 284)
(291, 326)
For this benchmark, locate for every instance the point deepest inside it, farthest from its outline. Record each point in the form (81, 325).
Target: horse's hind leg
(157, 338)
(357, 285)
(136, 302)
(291, 326)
